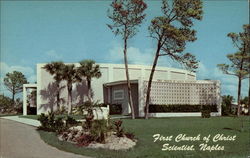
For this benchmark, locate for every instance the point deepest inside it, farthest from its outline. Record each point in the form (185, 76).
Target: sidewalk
(27, 121)
(37, 123)
(23, 141)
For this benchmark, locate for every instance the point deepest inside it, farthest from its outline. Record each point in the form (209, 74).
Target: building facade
(170, 86)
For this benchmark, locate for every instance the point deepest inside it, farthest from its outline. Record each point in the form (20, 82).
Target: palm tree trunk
(150, 80)
(13, 97)
(239, 94)
(58, 96)
(128, 80)
(69, 99)
(89, 89)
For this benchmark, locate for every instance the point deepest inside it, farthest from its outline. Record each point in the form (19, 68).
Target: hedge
(153, 108)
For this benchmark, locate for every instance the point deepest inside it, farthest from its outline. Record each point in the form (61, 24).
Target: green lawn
(192, 126)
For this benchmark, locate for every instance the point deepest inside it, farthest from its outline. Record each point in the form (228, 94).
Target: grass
(191, 126)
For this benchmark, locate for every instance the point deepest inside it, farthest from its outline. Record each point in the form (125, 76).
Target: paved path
(22, 141)
(27, 121)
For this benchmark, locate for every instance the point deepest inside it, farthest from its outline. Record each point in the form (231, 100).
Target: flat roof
(120, 82)
(30, 85)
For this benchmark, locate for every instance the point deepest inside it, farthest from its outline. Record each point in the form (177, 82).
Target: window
(118, 94)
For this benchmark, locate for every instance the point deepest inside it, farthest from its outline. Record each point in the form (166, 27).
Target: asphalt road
(18, 140)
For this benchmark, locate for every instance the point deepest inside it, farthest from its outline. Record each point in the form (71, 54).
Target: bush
(99, 130)
(130, 135)
(59, 126)
(51, 124)
(8, 107)
(205, 111)
(5, 102)
(225, 110)
(70, 121)
(86, 106)
(118, 128)
(178, 108)
(62, 110)
(84, 140)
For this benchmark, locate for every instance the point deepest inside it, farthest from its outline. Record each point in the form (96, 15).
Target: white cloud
(136, 56)
(53, 54)
(229, 83)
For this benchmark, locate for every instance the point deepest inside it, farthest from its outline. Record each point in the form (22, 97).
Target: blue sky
(42, 31)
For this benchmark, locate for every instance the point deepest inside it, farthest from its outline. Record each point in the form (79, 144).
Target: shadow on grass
(232, 129)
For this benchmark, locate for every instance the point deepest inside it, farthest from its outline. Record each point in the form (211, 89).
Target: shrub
(130, 135)
(99, 130)
(70, 121)
(86, 106)
(7, 106)
(205, 111)
(225, 111)
(62, 110)
(88, 120)
(118, 128)
(5, 102)
(178, 108)
(50, 123)
(84, 140)
(59, 125)
(44, 122)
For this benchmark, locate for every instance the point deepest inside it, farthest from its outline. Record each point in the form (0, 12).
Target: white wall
(110, 73)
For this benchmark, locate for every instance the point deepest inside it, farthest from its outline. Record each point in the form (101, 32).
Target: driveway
(22, 141)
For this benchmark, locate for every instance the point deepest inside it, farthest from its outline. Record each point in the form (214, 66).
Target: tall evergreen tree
(240, 60)
(14, 83)
(172, 31)
(126, 15)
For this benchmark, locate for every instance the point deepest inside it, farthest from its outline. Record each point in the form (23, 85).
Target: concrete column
(141, 100)
(24, 100)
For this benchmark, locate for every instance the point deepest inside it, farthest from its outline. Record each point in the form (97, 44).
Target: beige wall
(110, 72)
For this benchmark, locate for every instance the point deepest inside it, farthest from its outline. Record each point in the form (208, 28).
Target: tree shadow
(49, 96)
(80, 92)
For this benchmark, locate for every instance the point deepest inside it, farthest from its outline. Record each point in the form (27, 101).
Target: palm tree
(89, 70)
(56, 69)
(70, 76)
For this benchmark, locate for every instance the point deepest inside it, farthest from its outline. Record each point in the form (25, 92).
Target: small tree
(240, 60)
(127, 15)
(56, 69)
(70, 76)
(227, 103)
(14, 83)
(89, 70)
(172, 31)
